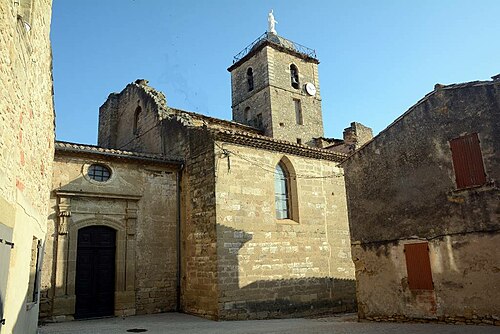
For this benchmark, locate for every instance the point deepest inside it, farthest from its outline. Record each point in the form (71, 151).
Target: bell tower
(275, 87)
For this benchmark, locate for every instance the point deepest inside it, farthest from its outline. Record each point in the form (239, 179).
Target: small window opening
(258, 121)
(299, 141)
(246, 115)
(294, 76)
(281, 192)
(298, 112)
(33, 287)
(250, 79)
(137, 116)
(99, 173)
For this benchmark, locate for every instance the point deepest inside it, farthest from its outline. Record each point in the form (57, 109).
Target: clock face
(310, 89)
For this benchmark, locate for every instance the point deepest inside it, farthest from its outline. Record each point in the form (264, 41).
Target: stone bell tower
(275, 87)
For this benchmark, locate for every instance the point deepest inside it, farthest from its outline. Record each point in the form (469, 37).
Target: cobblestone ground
(167, 323)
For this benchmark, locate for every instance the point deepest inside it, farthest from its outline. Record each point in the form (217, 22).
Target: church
(177, 211)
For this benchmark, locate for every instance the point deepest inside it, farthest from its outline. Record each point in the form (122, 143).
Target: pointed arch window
(282, 192)
(137, 115)
(294, 76)
(250, 79)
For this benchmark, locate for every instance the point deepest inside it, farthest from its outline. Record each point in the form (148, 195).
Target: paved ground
(167, 323)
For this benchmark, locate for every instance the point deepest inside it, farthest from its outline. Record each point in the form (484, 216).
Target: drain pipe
(179, 264)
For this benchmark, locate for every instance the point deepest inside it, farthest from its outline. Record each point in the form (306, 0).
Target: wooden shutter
(467, 161)
(418, 266)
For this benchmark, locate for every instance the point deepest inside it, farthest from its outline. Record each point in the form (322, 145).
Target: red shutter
(418, 266)
(467, 161)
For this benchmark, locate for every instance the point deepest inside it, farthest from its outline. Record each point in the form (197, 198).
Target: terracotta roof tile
(62, 146)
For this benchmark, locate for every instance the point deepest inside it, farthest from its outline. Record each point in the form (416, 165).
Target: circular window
(99, 173)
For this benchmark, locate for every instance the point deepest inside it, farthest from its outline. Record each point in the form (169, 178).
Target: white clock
(310, 89)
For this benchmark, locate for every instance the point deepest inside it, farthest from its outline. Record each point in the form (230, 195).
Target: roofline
(93, 150)
(437, 88)
(276, 145)
(274, 46)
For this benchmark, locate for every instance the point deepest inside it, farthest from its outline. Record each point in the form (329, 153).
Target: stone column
(125, 299)
(63, 304)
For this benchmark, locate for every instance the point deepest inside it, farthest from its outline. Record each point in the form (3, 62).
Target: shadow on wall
(268, 295)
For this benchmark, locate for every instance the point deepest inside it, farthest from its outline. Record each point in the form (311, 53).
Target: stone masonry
(273, 96)
(140, 202)
(26, 155)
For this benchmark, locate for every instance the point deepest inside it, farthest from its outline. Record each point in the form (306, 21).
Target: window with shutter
(418, 266)
(467, 161)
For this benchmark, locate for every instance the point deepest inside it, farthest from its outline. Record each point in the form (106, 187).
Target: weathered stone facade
(403, 189)
(237, 260)
(26, 154)
(273, 96)
(139, 202)
(277, 268)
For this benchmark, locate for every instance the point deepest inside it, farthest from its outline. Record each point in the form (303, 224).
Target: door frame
(79, 248)
(65, 266)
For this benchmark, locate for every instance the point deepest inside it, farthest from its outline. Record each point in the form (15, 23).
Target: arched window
(246, 115)
(250, 79)
(294, 76)
(136, 119)
(282, 192)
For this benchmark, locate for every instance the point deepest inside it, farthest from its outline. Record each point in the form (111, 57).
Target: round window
(99, 173)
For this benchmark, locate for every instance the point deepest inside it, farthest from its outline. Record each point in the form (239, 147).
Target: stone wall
(401, 187)
(26, 152)
(199, 239)
(273, 95)
(280, 268)
(118, 115)
(139, 201)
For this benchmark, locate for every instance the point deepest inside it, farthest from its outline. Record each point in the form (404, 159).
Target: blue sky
(377, 57)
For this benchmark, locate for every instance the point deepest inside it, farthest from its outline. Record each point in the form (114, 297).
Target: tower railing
(278, 40)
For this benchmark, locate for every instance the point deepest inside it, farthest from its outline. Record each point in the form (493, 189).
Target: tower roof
(277, 42)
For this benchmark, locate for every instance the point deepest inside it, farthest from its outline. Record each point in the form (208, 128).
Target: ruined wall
(120, 129)
(280, 268)
(139, 201)
(26, 152)
(402, 186)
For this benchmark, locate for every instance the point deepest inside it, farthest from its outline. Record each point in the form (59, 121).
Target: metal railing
(278, 40)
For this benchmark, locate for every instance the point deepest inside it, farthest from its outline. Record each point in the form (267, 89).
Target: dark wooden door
(95, 272)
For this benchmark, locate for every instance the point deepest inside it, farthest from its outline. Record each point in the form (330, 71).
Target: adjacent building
(26, 157)
(424, 210)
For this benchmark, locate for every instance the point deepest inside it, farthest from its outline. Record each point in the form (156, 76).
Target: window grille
(99, 173)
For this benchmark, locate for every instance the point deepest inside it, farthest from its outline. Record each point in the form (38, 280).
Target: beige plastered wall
(464, 269)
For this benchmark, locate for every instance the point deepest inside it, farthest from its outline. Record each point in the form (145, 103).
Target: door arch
(95, 272)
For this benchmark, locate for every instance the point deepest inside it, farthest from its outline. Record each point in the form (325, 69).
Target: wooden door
(95, 272)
